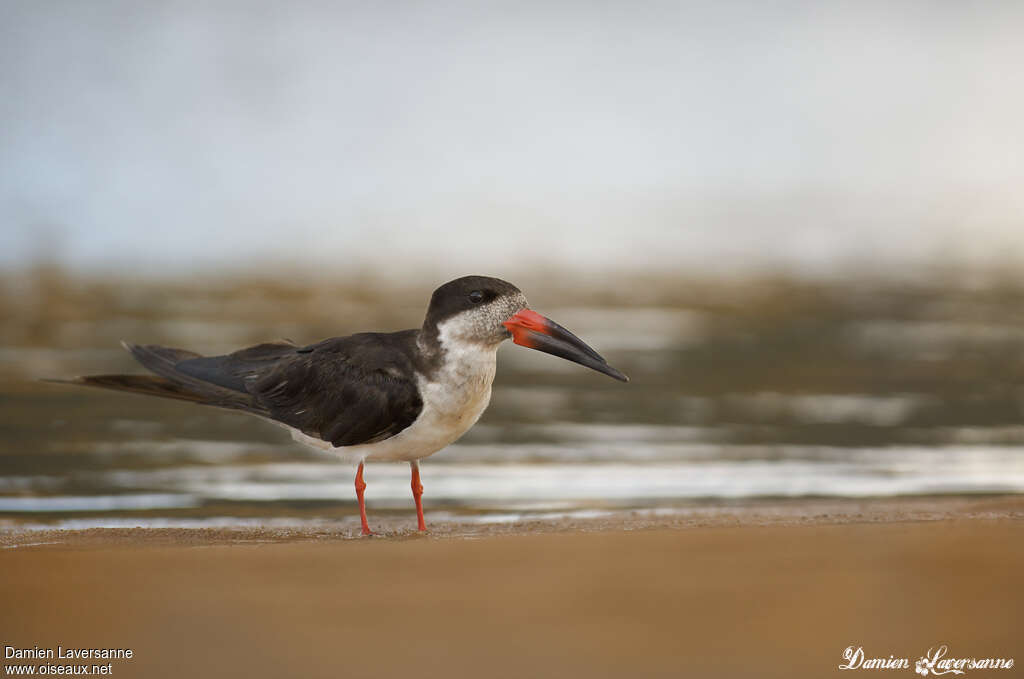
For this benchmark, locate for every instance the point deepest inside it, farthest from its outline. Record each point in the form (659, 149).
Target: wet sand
(764, 589)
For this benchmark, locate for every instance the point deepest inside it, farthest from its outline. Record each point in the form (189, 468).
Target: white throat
(463, 379)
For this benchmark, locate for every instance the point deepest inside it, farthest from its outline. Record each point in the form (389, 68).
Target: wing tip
(61, 380)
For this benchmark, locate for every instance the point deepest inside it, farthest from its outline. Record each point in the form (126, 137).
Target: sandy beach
(766, 589)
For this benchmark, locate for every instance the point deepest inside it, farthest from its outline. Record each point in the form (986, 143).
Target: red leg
(417, 493)
(360, 487)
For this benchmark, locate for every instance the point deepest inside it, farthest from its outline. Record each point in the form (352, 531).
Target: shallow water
(543, 478)
(725, 403)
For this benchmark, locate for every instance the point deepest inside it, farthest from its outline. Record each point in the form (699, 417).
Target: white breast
(454, 397)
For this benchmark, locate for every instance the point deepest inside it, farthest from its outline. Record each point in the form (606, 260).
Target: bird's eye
(476, 297)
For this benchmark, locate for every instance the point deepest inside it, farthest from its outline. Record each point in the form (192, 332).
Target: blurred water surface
(771, 387)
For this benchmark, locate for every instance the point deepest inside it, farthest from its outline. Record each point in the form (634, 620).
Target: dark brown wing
(346, 390)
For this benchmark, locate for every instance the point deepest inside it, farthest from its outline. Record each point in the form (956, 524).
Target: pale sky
(177, 135)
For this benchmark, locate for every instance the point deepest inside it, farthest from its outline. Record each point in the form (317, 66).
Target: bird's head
(484, 310)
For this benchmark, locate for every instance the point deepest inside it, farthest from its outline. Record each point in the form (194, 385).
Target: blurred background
(798, 226)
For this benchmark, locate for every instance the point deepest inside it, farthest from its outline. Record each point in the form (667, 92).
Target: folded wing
(347, 390)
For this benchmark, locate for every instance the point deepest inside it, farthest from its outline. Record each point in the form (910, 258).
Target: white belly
(453, 400)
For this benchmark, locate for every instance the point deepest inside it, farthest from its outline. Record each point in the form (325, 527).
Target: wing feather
(346, 390)
(349, 391)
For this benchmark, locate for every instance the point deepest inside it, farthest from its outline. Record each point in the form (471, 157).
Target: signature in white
(934, 662)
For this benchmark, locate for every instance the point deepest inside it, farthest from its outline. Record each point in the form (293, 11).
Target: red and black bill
(530, 329)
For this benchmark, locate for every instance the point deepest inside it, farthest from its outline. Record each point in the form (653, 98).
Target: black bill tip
(530, 329)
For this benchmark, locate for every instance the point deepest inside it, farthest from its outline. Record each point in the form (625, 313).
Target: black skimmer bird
(398, 396)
